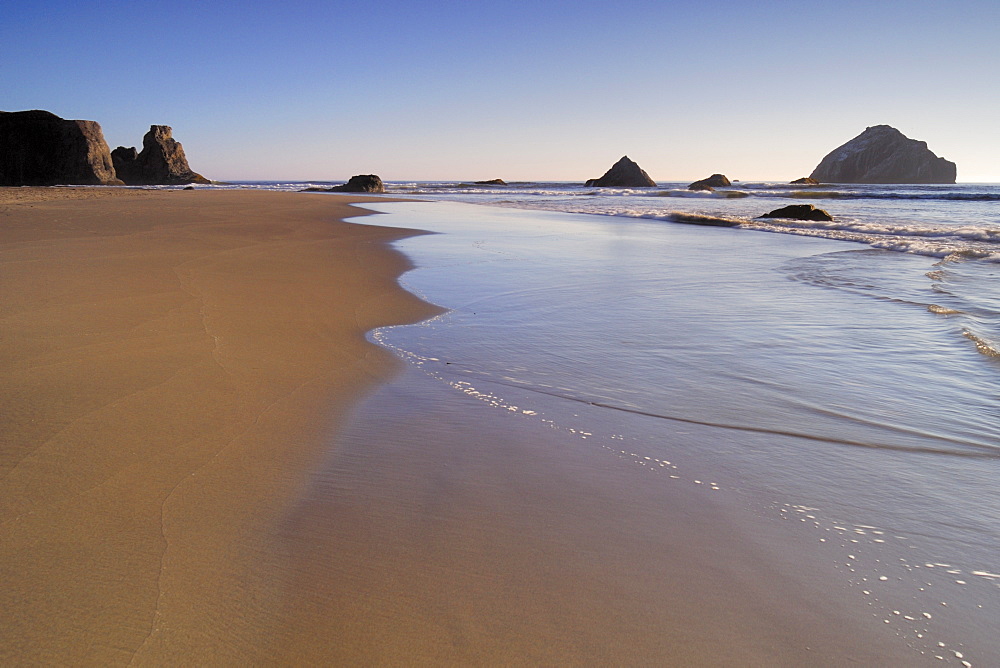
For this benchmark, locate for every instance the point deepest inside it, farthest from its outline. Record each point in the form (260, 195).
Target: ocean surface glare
(827, 382)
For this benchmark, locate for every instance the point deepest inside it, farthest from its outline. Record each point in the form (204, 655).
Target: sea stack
(161, 161)
(883, 154)
(624, 174)
(38, 148)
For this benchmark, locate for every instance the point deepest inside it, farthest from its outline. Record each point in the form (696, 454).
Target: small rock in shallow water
(361, 183)
(799, 212)
(711, 183)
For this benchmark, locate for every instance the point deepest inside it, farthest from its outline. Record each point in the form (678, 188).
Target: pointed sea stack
(160, 163)
(623, 174)
(882, 154)
(38, 148)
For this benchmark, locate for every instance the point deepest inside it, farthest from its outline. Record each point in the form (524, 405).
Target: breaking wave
(951, 243)
(836, 194)
(983, 345)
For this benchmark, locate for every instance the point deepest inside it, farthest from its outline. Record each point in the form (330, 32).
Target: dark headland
(38, 148)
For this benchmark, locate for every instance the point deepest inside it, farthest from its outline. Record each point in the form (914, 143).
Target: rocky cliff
(624, 174)
(126, 161)
(882, 154)
(161, 161)
(38, 148)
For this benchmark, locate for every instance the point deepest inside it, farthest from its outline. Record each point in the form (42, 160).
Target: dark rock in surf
(883, 154)
(805, 181)
(700, 219)
(711, 183)
(491, 182)
(38, 148)
(799, 212)
(362, 183)
(160, 163)
(623, 174)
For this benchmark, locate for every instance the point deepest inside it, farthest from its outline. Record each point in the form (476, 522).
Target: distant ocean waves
(964, 192)
(951, 243)
(943, 196)
(953, 222)
(961, 192)
(946, 242)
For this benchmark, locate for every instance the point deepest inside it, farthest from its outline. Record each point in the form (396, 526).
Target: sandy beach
(173, 363)
(190, 475)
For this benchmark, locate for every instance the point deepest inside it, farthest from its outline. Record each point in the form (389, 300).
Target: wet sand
(189, 477)
(173, 365)
(443, 531)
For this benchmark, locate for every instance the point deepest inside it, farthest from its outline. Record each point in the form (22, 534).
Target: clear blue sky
(513, 90)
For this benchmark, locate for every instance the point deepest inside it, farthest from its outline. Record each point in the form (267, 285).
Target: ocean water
(837, 377)
(956, 224)
(937, 220)
(931, 219)
(844, 376)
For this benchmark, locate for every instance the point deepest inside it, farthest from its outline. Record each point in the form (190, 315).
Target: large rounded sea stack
(883, 154)
(623, 174)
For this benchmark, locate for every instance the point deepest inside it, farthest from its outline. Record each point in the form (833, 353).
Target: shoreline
(442, 531)
(476, 519)
(175, 362)
(779, 531)
(337, 505)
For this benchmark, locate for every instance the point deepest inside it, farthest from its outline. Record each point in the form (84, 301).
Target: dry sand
(173, 363)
